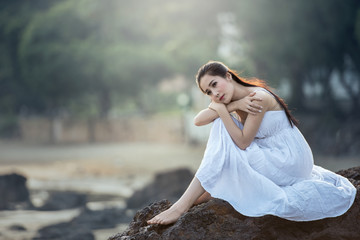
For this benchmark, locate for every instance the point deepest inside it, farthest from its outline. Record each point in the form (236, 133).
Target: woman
(261, 164)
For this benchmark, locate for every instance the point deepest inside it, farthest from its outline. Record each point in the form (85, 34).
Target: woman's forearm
(205, 116)
(208, 115)
(234, 131)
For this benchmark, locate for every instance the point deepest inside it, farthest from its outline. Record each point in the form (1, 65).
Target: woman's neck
(240, 91)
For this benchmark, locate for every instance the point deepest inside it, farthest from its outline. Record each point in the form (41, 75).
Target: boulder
(170, 185)
(65, 230)
(82, 226)
(61, 200)
(217, 219)
(14, 193)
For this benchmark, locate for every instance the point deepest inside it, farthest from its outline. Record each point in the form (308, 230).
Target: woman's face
(219, 89)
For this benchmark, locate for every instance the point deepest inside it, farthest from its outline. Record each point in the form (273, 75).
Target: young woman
(261, 164)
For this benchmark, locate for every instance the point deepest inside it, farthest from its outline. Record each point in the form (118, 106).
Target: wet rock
(61, 200)
(17, 227)
(217, 219)
(14, 193)
(102, 219)
(65, 231)
(168, 185)
(82, 226)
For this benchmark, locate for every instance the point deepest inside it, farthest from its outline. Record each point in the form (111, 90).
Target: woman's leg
(192, 193)
(203, 198)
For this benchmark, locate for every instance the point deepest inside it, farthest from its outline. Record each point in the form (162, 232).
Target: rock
(65, 231)
(14, 193)
(82, 226)
(17, 227)
(170, 185)
(102, 219)
(60, 200)
(217, 219)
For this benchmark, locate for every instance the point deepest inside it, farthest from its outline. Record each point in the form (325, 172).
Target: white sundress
(275, 175)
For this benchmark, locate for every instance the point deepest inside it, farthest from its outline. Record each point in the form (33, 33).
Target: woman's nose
(215, 96)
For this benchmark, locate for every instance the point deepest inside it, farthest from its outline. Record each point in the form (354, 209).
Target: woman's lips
(222, 97)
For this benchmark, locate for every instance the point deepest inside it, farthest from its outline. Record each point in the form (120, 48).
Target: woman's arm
(245, 104)
(205, 116)
(243, 138)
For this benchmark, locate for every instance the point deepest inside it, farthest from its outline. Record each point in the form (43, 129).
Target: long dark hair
(214, 68)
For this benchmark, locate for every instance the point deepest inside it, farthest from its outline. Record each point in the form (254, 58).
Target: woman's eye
(208, 92)
(214, 84)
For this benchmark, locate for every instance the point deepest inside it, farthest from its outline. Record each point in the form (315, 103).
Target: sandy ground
(117, 169)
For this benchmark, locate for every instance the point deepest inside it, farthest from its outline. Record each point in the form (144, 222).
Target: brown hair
(214, 68)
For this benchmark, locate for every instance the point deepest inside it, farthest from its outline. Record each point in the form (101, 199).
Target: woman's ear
(228, 76)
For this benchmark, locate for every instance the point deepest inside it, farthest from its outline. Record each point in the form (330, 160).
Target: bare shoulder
(269, 102)
(267, 99)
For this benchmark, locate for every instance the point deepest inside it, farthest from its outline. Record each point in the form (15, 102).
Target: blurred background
(97, 97)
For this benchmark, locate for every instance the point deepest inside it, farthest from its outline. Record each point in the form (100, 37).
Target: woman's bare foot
(192, 193)
(168, 216)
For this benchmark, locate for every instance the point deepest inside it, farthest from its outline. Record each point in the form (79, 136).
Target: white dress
(275, 175)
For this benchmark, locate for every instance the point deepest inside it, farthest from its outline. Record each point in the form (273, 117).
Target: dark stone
(17, 227)
(14, 193)
(81, 227)
(65, 231)
(60, 200)
(101, 219)
(217, 219)
(168, 185)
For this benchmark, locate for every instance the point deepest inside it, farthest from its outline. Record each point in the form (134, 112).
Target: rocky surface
(82, 226)
(14, 193)
(167, 185)
(216, 219)
(60, 200)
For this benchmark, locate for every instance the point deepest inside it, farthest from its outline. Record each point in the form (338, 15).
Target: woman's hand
(247, 104)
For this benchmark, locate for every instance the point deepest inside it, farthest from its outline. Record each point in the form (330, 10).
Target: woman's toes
(151, 221)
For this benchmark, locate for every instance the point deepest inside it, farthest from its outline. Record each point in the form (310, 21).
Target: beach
(114, 169)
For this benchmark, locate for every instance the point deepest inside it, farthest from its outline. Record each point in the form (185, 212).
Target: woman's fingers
(253, 109)
(255, 99)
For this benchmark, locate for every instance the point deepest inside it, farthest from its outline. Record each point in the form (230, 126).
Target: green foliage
(79, 47)
(299, 41)
(87, 57)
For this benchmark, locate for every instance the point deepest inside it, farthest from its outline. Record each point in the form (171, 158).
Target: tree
(297, 40)
(14, 16)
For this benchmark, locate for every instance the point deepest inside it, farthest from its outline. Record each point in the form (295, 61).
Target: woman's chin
(226, 102)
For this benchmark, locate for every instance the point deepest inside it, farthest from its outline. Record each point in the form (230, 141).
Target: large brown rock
(166, 185)
(216, 219)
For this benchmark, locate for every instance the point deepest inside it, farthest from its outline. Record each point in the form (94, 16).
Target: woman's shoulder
(268, 100)
(261, 89)
(263, 93)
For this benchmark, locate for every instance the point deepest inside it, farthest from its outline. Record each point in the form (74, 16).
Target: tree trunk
(104, 102)
(297, 94)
